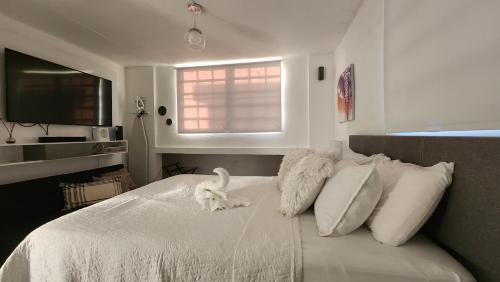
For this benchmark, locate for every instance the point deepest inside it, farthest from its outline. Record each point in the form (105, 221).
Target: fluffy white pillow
(289, 161)
(292, 158)
(335, 154)
(303, 183)
(410, 203)
(347, 199)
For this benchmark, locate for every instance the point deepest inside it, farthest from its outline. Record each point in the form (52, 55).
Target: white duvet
(160, 233)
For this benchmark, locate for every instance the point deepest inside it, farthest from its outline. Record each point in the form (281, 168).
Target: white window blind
(230, 98)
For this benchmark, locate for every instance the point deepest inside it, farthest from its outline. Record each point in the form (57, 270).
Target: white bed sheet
(358, 257)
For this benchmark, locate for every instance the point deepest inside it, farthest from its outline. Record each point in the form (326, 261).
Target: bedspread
(160, 233)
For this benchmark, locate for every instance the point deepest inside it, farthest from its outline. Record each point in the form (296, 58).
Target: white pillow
(411, 202)
(348, 154)
(389, 172)
(347, 199)
(303, 183)
(289, 161)
(343, 164)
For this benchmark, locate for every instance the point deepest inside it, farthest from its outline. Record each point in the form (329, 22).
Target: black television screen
(39, 91)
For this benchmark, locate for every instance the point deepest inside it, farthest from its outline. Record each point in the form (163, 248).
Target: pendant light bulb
(194, 37)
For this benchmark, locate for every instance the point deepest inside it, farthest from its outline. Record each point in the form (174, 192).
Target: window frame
(229, 80)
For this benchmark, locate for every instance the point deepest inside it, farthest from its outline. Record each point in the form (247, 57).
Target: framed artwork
(345, 95)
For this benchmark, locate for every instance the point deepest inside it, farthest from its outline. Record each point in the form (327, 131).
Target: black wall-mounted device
(321, 73)
(119, 132)
(169, 121)
(162, 110)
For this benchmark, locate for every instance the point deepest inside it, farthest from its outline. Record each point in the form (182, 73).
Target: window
(230, 98)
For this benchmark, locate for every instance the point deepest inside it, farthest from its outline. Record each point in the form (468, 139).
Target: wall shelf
(29, 153)
(61, 143)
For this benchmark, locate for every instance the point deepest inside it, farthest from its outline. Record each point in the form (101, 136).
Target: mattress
(358, 257)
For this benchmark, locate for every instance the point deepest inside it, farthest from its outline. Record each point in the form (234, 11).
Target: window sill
(223, 150)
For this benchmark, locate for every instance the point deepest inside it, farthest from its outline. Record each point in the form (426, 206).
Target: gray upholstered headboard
(467, 221)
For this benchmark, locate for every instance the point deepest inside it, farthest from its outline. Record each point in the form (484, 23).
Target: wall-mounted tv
(39, 91)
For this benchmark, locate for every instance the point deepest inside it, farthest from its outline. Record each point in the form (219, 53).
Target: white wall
(308, 115)
(23, 38)
(363, 46)
(140, 81)
(423, 65)
(442, 63)
(321, 101)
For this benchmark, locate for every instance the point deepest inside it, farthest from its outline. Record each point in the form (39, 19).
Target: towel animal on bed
(212, 195)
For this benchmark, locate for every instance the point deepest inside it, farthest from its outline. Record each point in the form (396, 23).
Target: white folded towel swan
(212, 195)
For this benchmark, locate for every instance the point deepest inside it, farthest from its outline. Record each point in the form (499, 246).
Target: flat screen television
(39, 91)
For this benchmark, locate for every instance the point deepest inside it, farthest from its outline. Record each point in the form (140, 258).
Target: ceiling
(139, 32)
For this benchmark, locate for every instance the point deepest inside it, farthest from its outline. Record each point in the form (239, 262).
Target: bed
(467, 221)
(159, 233)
